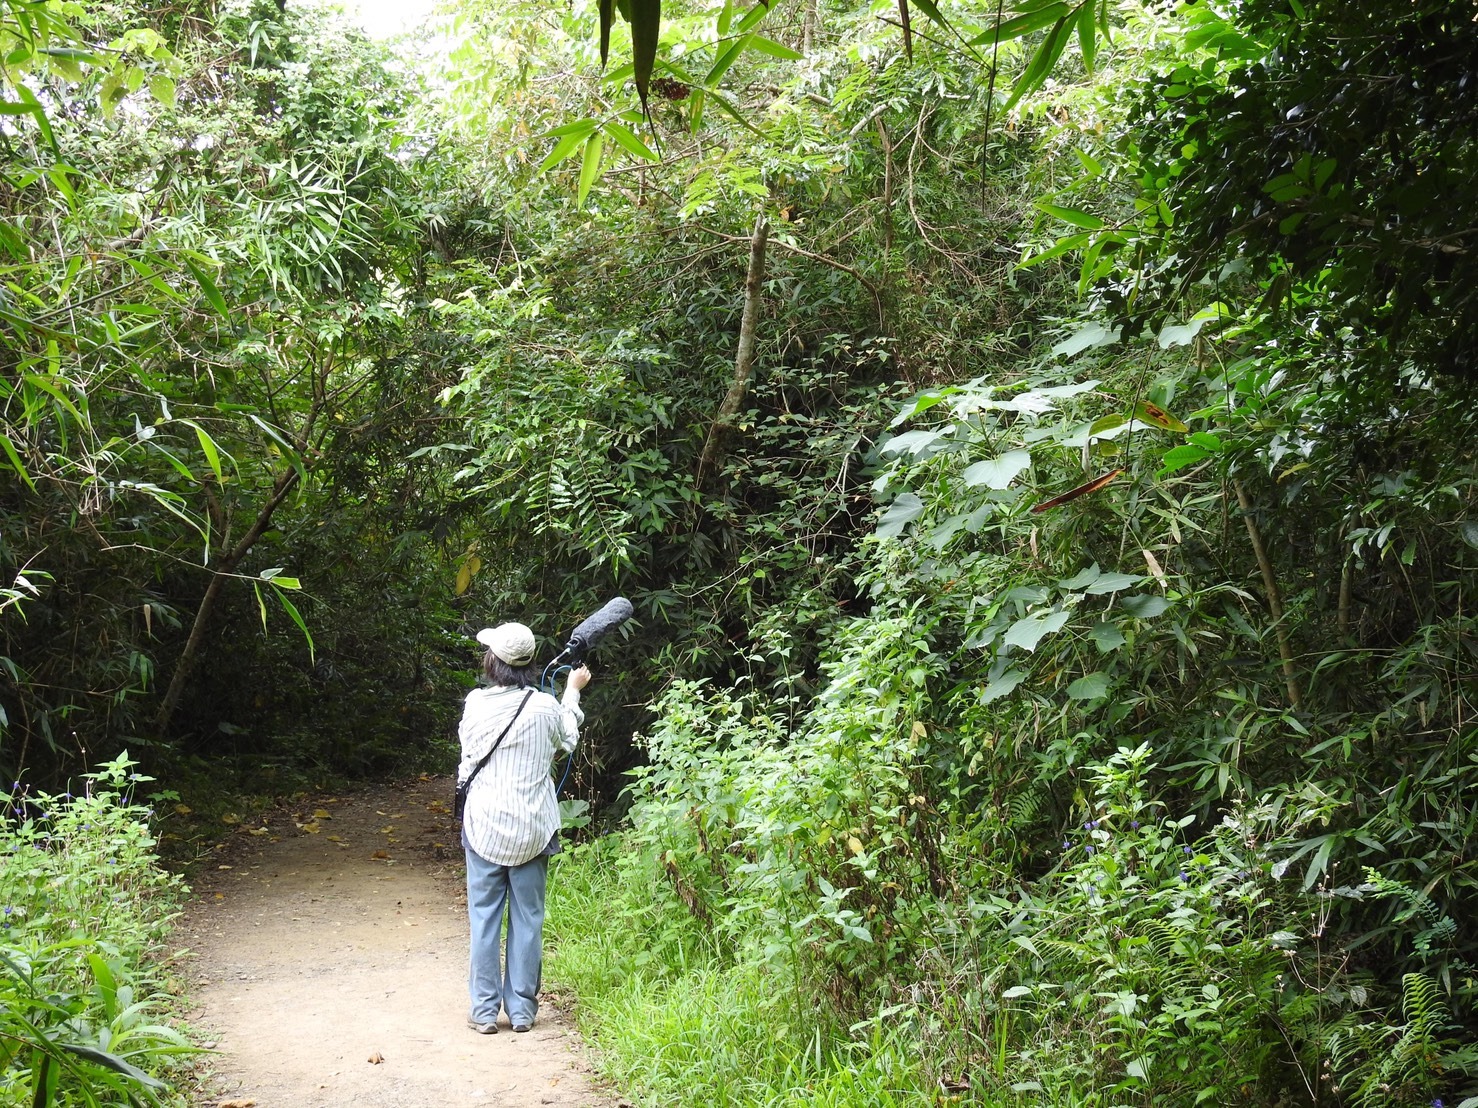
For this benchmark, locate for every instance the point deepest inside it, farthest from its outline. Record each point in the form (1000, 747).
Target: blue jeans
(490, 888)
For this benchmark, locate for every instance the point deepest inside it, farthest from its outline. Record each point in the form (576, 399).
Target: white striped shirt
(512, 812)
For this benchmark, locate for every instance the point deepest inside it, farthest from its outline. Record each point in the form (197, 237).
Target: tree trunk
(223, 569)
(713, 448)
(1275, 599)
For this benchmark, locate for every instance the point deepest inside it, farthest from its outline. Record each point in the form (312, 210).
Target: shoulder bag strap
(497, 742)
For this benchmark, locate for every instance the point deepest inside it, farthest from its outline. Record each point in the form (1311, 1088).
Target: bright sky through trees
(384, 18)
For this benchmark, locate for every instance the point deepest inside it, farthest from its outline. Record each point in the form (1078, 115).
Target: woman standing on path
(511, 822)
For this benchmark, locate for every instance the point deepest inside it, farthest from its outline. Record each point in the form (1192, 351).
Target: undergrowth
(83, 906)
(677, 1022)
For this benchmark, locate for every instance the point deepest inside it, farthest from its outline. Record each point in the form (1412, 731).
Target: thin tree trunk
(1275, 599)
(887, 143)
(713, 448)
(223, 569)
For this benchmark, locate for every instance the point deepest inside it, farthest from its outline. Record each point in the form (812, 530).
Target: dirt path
(330, 966)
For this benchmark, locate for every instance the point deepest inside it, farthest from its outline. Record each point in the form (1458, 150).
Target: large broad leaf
(997, 473)
(1106, 637)
(906, 508)
(914, 442)
(1091, 686)
(1112, 582)
(1186, 454)
(1181, 334)
(1026, 633)
(1082, 578)
(1153, 413)
(1002, 686)
(1145, 606)
(1090, 335)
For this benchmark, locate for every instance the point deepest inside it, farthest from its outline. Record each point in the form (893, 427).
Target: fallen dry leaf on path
(237, 1104)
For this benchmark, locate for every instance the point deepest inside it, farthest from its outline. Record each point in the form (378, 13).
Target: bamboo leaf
(1087, 35)
(607, 16)
(568, 143)
(774, 49)
(293, 457)
(51, 389)
(42, 121)
(726, 58)
(752, 17)
(208, 448)
(1023, 24)
(1082, 490)
(208, 287)
(1075, 216)
(297, 618)
(15, 461)
(628, 141)
(1042, 61)
(646, 29)
(930, 9)
(1056, 250)
(589, 167)
(114, 1063)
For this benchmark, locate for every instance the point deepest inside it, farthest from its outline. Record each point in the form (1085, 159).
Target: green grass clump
(83, 903)
(676, 1021)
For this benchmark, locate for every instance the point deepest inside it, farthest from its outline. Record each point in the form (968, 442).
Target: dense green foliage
(1054, 677)
(82, 903)
(210, 393)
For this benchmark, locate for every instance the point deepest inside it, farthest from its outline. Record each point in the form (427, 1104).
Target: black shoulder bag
(459, 803)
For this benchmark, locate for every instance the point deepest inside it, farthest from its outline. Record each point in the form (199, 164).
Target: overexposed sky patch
(387, 18)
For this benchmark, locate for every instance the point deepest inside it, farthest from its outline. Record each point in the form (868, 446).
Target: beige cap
(513, 642)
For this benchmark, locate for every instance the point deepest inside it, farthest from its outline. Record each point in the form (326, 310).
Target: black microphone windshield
(597, 626)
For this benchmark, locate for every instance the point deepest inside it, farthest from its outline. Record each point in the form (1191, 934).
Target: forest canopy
(1037, 440)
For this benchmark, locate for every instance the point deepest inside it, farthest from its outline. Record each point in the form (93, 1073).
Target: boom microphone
(596, 627)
